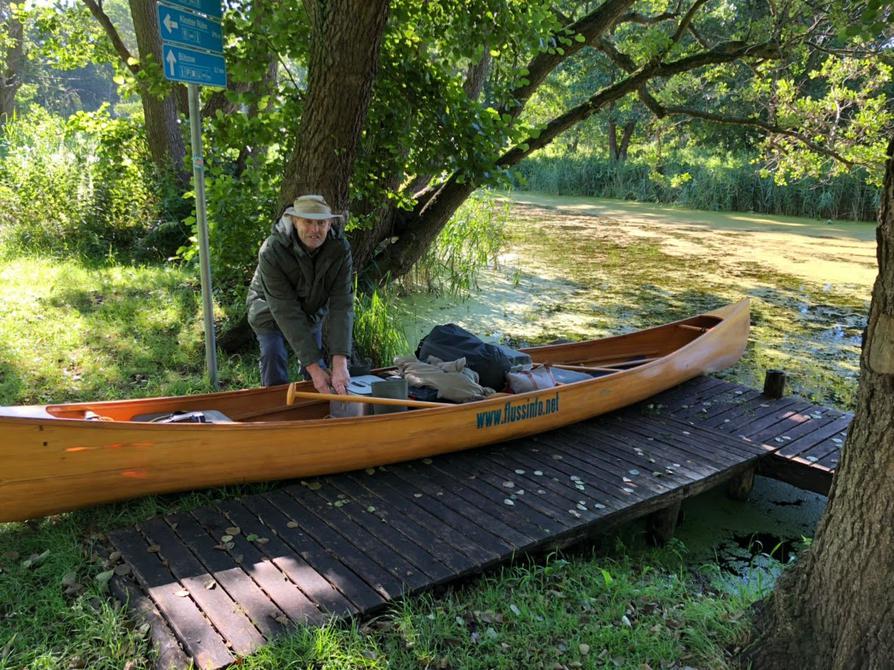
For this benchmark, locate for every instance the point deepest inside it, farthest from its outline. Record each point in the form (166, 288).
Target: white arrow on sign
(172, 61)
(170, 25)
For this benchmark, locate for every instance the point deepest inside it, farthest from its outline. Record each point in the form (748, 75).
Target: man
(303, 274)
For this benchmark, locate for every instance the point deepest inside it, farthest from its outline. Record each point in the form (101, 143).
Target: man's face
(311, 232)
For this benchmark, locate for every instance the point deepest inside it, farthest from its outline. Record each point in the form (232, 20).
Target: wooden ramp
(220, 581)
(808, 438)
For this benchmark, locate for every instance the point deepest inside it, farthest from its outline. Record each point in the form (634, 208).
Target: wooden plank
(466, 496)
(201, 642)
(542, 462)
(795, 426)
(215, 603)
(674, 470)
(287, 596)
(451, 546)
(719, 395)
(686, 393)
(751, 413)
(678, 469)
(730, 403)
(598, 496)
(809, 478)
(324, 579)
(388, 580)
(382, 527)
(821, 450)
(557, 487)
(805, 442)
(485, 533)
(618, 434)
(683, 436)
(169, 654)
(779, 419)
(490, 484)
(679, 440)
(832, 459)
(499, 473)
(586, 454)
(596, 466)
(242, 589)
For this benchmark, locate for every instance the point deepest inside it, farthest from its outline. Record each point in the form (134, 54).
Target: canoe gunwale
(723, 314)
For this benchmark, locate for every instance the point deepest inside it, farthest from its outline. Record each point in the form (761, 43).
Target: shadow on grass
(11, 383)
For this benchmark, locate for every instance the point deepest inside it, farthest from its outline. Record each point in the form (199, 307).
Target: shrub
(84, 186)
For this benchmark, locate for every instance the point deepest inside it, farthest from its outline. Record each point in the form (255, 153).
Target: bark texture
(345, 39)
(162, 123)
(835, 610)
(13, 62)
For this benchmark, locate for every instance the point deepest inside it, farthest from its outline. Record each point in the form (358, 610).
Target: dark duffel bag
(490, 361)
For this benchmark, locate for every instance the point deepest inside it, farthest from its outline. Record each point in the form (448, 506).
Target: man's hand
(340, 377)
(320, 377)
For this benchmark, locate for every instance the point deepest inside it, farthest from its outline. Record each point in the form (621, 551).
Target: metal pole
(198, 171)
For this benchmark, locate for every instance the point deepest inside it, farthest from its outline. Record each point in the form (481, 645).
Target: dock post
(663, 523)
(740, 485)
(774, 384)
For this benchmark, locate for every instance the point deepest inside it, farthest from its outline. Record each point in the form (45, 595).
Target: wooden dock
(220, 581)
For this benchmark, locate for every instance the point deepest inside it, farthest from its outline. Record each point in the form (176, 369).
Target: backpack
(491, 361)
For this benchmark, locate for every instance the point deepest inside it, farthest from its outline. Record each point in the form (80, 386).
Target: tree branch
(112, 33)
(722, 53)
(622, 60)
(660, 112)
(590, 26)
(645, 20)
(687, 19)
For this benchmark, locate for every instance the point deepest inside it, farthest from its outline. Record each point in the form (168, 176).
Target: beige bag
(538, 377)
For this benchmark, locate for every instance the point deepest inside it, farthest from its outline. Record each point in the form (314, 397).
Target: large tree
(697, 59)
(834, 609)
(12, 57)
(161, 102)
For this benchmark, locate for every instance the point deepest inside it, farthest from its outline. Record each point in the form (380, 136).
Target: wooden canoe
(53, 458)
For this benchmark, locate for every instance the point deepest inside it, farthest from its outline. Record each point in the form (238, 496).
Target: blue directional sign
(210, 8)
(189, 30)
(194, 67)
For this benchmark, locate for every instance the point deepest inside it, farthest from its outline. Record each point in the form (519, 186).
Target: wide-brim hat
(311, 207)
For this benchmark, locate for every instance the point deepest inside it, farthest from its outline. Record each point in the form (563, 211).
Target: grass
(584, 610)
(73, 331)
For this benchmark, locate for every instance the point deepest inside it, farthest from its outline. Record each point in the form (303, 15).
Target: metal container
(395, 387)
(359, 385)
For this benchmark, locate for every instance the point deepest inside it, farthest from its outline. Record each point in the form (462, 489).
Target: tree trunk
(162, 124)
(11, 75)
(612, 141)
(344, 47)
(834, 610)
(625, 140)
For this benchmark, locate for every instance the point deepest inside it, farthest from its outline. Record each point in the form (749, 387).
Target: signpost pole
(198, 171)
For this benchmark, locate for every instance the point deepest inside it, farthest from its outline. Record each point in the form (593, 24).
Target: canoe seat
(192, 416)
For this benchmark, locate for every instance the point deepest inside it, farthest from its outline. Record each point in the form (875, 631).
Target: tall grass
(733, 185)
(377, 332)
(471, 240)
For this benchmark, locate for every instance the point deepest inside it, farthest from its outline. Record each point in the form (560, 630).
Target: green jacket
(292, 291)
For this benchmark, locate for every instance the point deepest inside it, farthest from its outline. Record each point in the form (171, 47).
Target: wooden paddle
(292, 395)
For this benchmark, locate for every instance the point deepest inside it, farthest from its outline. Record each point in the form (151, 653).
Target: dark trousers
(274, 362)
